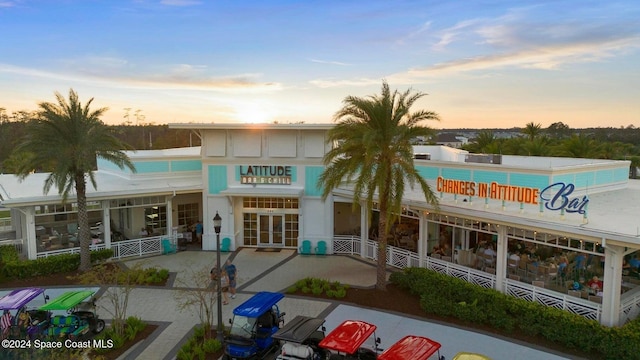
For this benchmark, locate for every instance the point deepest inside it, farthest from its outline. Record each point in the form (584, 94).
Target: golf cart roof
(411, 347)
(470, 356)
(67, 301)
(19, 298)
(298, 329)
(348, 336)
(258, 304)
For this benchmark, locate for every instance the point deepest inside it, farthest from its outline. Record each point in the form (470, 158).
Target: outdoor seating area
(567, 272)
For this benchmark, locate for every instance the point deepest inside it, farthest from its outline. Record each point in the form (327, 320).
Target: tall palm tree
(532, 130)
(66, 138)
(373, 153)
(579, 146)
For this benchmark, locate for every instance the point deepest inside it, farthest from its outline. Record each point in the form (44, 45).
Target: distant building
(451, 140)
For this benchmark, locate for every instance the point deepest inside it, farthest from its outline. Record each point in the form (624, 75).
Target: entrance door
(271, 229)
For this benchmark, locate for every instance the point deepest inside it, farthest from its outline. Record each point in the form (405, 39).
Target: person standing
(199, 231)
(224, 282)
(231, 274)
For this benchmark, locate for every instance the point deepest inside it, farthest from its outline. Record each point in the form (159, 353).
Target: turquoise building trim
(584, 180)
(428, 172)
(217, 175)
(108, 165)
(566, 178)
(186, 165)
(145, 167)
(456, 174)
(604, 177)
(488, 177)
(529, 180)
(621, 174)
(311, 176)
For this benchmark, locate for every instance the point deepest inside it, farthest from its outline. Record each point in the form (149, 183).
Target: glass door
(271, 229)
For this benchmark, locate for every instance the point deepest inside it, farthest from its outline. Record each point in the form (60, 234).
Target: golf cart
(16, 302)
(412, 347)
(254, 322)
(81, 318)
(470, 356)
(300, 339)
(345, 341)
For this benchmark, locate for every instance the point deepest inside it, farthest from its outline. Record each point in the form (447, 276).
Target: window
(188, 214)
(250, 229)
(156, 217)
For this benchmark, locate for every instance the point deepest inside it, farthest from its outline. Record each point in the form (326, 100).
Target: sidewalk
(276, 271)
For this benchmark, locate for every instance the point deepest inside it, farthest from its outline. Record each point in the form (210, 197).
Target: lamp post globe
(217, 224)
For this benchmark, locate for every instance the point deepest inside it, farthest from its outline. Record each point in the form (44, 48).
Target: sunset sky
(484, 64)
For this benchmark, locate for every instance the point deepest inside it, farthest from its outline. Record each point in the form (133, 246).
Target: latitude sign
(265, 174)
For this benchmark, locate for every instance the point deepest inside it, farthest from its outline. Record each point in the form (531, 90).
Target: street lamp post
(217, 224)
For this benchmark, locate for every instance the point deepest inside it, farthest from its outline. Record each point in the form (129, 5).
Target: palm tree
(579, 146)
(66, 138)
(532, 130)
(482, 142)
(373, 152)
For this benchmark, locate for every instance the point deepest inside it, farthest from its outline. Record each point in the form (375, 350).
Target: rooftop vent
(484, 158)
(422, 156)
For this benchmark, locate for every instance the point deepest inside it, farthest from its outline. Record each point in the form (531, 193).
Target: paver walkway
(276, 271)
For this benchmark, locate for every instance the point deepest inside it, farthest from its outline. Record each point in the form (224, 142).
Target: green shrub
(211, 345)
(317, 290)
(488, 307)
(24, 269)
(319, 286)
(292, 289)
(340, 292)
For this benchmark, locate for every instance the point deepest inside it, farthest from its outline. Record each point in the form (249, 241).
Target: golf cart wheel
(99, 326)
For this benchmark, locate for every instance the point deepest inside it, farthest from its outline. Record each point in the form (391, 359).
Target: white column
(364, 228)
(422, 239)
(170, 217)
(501, 258)
(612, 283)
(30, 235)
(106, 222)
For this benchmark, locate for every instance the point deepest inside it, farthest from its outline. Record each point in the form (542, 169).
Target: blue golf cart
(253, 324)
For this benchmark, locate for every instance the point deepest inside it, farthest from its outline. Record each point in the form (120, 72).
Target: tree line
(145, 136)
(558, 140)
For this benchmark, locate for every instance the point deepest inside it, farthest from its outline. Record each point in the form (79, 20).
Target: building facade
(551, 224)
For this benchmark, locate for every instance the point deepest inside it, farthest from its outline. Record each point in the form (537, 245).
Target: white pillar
(422, 234)
(612, 283)
(169, 229)
(364, 228)
(501, 258)
(30, 235)
(106, 222)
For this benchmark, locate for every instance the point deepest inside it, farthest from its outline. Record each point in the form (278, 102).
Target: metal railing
(121, 249)
(401, 258)
(629, 305)
(17, 243)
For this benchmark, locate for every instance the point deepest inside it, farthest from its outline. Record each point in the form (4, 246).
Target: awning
(262, 191)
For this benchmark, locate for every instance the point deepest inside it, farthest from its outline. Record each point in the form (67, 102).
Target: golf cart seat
(296, 351)
(63, 325)
(265, 324)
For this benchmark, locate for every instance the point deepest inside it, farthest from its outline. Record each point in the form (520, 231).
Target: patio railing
(17, 243)
(121, 249)
(401, 258)
(629, 305)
